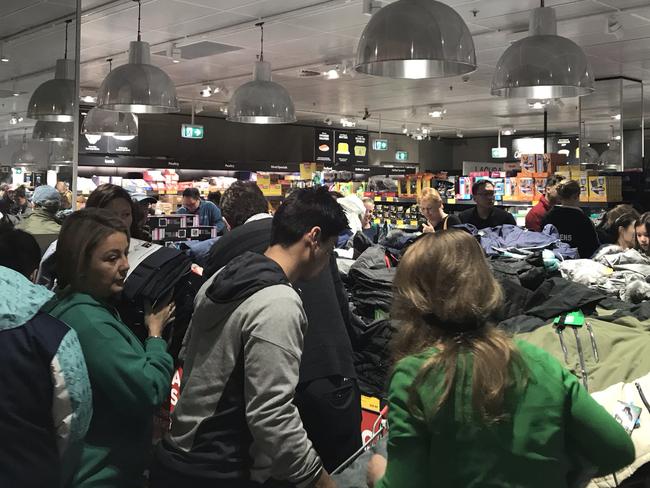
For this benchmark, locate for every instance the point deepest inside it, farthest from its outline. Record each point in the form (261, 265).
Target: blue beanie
(46, 196)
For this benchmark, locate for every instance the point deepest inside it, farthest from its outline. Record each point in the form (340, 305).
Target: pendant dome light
(416, 39)
(543, 66)
(53, 131)
(108, 122)
(138, 86)
(261, 101)
(23, 156)
(53, 101)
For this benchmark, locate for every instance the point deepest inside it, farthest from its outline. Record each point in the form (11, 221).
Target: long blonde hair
(446, 296)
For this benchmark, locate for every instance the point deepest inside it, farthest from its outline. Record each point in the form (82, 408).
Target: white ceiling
(319, 34)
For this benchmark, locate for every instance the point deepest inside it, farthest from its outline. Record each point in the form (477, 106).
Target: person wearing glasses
(485, 214)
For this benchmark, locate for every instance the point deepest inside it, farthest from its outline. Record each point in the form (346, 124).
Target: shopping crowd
(269, 391)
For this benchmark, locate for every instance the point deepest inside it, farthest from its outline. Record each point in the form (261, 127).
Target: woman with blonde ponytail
(470, 408)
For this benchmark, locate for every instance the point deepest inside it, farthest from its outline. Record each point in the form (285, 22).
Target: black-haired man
(235, 424)
(485, 214)
(209, 213)
(536, 214)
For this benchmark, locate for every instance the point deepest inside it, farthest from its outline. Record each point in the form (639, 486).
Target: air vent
(201, 49)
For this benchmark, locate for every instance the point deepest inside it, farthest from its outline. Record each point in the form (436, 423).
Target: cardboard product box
(540, 186)
(525, 189)
(605, 188)
(464, 188)
(583, 180)
(528, 164)
(510, 189)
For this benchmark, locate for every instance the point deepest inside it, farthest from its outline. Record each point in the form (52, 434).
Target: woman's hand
(156, 319)
(427, 228)
(376, 469)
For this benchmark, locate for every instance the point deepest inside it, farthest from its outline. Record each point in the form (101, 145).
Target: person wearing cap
(42, 220)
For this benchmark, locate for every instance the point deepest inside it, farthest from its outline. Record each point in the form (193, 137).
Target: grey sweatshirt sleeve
(273, 342)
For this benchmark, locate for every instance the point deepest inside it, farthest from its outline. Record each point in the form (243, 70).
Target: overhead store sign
(401, 155)
(499, 152)
(189, 131)
(380, 144)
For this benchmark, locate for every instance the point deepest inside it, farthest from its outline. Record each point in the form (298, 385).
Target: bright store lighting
(89, 99)
(348, 123)
(332, 74)
(507, 130)
(459, 133)
(437, 111)
(206, 92)
(616, 117)
(404, 129)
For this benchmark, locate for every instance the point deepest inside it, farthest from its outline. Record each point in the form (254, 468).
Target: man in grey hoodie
(235, 425)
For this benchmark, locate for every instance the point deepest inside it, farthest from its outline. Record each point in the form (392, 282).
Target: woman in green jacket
(129, 381)
(470, 408)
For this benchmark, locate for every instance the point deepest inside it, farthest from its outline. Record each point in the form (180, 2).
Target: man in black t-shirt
(485, 214)
(575, 228)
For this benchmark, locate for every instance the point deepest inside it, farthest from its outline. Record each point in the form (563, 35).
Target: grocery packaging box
(525, 188)
(464, 188)
(510, 189)
(528, 164)
(583, 180)
(605, 188)
(540, 186)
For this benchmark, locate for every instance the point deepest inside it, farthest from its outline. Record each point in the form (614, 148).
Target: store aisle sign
(380, 144)
(189, 131)
(401, 155)
(499, 152)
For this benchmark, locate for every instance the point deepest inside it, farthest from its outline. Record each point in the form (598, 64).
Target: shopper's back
(536, 443)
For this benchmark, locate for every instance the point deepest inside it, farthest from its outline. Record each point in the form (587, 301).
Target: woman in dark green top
(470, 408)
(129, 382)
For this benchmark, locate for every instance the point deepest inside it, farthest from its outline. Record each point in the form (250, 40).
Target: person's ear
(314, 236)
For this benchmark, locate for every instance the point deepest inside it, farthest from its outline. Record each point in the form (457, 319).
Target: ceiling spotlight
(206, 91)
(437, 111)
(426, 130)
(16, 93)
(327, 121)
(14, 119)
(617, 137)
(459, 133)
(175, 54)
(332, 74)
(404, 129)
(616, 116)
(89, 99)
(507, 130)
(3, 56)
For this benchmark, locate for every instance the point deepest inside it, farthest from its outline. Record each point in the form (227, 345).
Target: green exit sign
(401, 155)
(380, 144)
(189, 131)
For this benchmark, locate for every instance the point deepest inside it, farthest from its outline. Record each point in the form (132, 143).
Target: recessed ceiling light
(437, 111)
(507, 130)
(206, 91)
(459, 133)
(332, 74)
(538, 104)
(616, 116)
(89, 99)
(404, 129)
(4, 59)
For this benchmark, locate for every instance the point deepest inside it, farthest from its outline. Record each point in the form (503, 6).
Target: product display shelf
(411, 225)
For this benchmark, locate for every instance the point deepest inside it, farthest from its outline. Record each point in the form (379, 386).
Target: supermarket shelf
(395, 200)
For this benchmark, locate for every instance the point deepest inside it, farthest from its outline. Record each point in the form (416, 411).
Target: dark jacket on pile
(327, 396)
(235, 424)
(575, 228)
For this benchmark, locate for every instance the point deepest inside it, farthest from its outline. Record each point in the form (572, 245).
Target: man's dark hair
(304, 209)
(568, 190)
(480, 185)
(105, 194)
(215, 197)
(192, 193)
(554, 180)
(19, 251)
(20, 192)
(241, 201)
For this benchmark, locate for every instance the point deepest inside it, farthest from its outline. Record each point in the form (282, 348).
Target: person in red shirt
(549, 199)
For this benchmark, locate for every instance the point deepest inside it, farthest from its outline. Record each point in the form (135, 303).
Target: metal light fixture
(437, 111)
(543, 65)
(23, 156)
(507, 130)
(138, 86)
(261, 101)
(405, 129)
(109, 122)
(15, 119)
(416, 39)
(54, 100)
(53, 131)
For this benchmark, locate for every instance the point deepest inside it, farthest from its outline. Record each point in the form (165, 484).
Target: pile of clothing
(617, 272)
(369, 284)
(505, 238)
